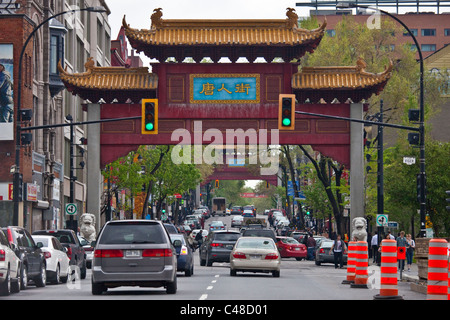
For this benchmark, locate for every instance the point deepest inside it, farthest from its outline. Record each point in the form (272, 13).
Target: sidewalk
(412, 276)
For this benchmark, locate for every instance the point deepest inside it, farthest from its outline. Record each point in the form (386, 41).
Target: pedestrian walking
(374, 245)
(311, 244)
(401, 242)
(338, 248)
(410, 247)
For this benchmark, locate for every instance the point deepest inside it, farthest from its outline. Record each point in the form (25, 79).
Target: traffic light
(419, 186)
(413, 138)
(149, 116)
(286, 112)
(216, 183)
(447, 199)
(413, 115)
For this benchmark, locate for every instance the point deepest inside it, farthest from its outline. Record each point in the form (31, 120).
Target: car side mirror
(93, 243)
(39, 245)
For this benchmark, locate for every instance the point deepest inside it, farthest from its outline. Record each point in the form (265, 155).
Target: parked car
(255, 254)
(207, 212)
(253, 232)
(323, 253)
(75, 250)
(33, 266)
(134, 253)
(192, 221)
(217, 247)
(217, 225)
(185, 255)
(193, 234)
(236, 210)
(291, 248)
(88, 250)
(9, 267)
(237, 221)
(56, 258)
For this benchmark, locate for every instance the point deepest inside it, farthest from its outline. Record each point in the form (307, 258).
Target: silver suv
(134, 253)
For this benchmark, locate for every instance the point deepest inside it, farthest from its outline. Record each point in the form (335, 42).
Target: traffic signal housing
(149, 116)
(286, 112)
(216, 185)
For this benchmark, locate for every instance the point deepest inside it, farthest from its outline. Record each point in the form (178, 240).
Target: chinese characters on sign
(224, 88)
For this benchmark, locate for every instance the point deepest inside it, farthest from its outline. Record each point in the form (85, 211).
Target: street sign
(409, 160)
(382, 220)
(71, 209)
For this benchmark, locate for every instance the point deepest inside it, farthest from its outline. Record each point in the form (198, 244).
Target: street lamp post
(19, 101)
(422, 181)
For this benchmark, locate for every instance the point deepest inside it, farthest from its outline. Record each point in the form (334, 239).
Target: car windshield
(132, 233)
(326, 244)
(44, 241)
(289, 241)
(255, 243)
(227, 236)
(217, 223)
(175, 237)
(62, 236)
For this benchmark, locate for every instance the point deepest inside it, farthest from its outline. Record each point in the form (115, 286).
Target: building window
(428, 32)
(447, 32)
(428, 47)
(413, 31)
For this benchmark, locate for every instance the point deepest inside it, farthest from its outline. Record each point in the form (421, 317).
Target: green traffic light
(149, 126)
(286, 122)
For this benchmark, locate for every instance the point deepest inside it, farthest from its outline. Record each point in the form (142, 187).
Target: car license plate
(297, 249)
(230, 246)
(133, 253)
(255, 256)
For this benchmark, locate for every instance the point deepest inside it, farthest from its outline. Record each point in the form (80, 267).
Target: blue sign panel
(224, 88)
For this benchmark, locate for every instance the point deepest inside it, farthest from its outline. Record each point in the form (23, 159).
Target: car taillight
(69, 252)
(271, 256)
(214, 244)
(321, 250)
(47, 255)
(114, 253)
(184, 251)
(2, 255)
(157, 253)
(239, 255)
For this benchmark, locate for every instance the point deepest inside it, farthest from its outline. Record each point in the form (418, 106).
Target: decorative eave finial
(156, 18)
(292, 18)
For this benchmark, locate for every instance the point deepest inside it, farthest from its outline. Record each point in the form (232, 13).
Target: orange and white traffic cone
(361, 266)
(351, 263)
(437, 287)
(389, 281)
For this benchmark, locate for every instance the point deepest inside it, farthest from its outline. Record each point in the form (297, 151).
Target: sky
(138, 12)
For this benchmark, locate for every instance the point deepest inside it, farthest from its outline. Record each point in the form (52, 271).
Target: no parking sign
(401, 253)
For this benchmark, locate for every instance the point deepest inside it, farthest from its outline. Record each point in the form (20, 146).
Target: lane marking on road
(203, 297)
(209, 287)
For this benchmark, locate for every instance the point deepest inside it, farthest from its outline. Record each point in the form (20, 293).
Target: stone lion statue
(359, 226)
(87, 227)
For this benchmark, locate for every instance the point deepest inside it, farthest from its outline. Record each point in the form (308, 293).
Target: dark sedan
(185, 255)
(217, 247)
(323, 254)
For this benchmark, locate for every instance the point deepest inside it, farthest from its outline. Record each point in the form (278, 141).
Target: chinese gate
(200, 97)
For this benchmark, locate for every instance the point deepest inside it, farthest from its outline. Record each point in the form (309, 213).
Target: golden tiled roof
(223, 32)
(336, 78)
(110, 78)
